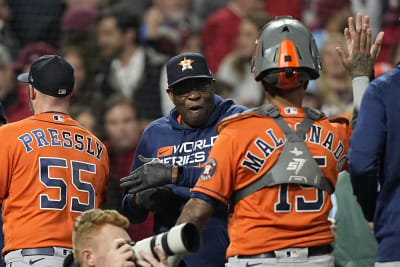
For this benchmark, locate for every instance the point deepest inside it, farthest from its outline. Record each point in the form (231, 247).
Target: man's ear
(213, 85)
(32, 93)
(88, 257)
(171, 95)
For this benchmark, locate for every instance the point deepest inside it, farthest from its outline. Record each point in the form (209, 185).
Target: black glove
(152, 173)
(159, 199)
(163, 202)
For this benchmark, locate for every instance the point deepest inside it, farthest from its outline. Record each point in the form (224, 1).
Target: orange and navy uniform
(281, 216)
(52, 170)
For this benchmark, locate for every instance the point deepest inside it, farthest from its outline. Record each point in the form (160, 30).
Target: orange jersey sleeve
(280, 216)
(52, 170)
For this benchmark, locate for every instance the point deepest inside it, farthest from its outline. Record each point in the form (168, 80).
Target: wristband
(360, 84)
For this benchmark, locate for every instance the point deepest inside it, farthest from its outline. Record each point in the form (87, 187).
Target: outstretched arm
(360, 57)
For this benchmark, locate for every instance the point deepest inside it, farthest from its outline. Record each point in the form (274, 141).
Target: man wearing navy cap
(52, 170)
(173, 150)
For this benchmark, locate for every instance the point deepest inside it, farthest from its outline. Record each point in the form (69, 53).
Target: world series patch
(209, 169)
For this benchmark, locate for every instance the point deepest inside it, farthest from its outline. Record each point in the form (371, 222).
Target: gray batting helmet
(285, 54)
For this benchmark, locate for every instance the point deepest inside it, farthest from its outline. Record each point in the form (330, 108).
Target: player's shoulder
(13, 128)
(339, 120)
(157, 125)
(233, 120)
(338, 125)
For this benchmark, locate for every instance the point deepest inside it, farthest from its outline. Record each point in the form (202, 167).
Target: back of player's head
(50, 74)
(89, 223)
(285, 54)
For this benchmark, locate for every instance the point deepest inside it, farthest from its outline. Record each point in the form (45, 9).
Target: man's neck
(293, 98)
(63, 108)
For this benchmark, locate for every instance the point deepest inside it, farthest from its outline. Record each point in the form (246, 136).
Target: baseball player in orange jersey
(51, 170)
(277, 164)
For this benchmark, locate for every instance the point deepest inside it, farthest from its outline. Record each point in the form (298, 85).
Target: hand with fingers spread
(152, 173)
(121, 254)
(149, 261)
(362, 53)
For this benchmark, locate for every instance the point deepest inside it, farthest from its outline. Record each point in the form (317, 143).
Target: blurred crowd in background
(119, 49)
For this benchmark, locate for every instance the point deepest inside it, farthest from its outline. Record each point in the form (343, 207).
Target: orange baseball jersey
(280, 216)
(51, 170)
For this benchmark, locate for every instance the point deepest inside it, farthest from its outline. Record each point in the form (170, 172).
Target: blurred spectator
(79, 33)
(223, 89)
(395, 58)
(79, 30)
(123, 131)
(31, 52)
(190, 42)
(204, 8)
(77, 20)
(391, 27)
(120, 123)
(134, 70)
(77, 24)
(35, 21)
(139, 6)
(90, 3)
(7, 36)
(14, 97)
(85, 117)
(382, 67)
(221, 29)
(75, 58)
(164, 23)
(85, 93)
(334, 85)
(284, 8)
(330, 17)
(235, 69)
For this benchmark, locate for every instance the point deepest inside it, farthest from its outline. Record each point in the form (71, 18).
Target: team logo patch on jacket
(209, 169)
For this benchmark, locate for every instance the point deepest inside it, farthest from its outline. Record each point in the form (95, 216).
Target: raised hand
(361, 53)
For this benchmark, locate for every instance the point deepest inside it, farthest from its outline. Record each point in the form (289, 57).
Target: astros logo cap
(187, 66)
(50, 74)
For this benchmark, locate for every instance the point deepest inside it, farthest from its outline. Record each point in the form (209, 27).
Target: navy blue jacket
(374, 157)
(178, 145)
